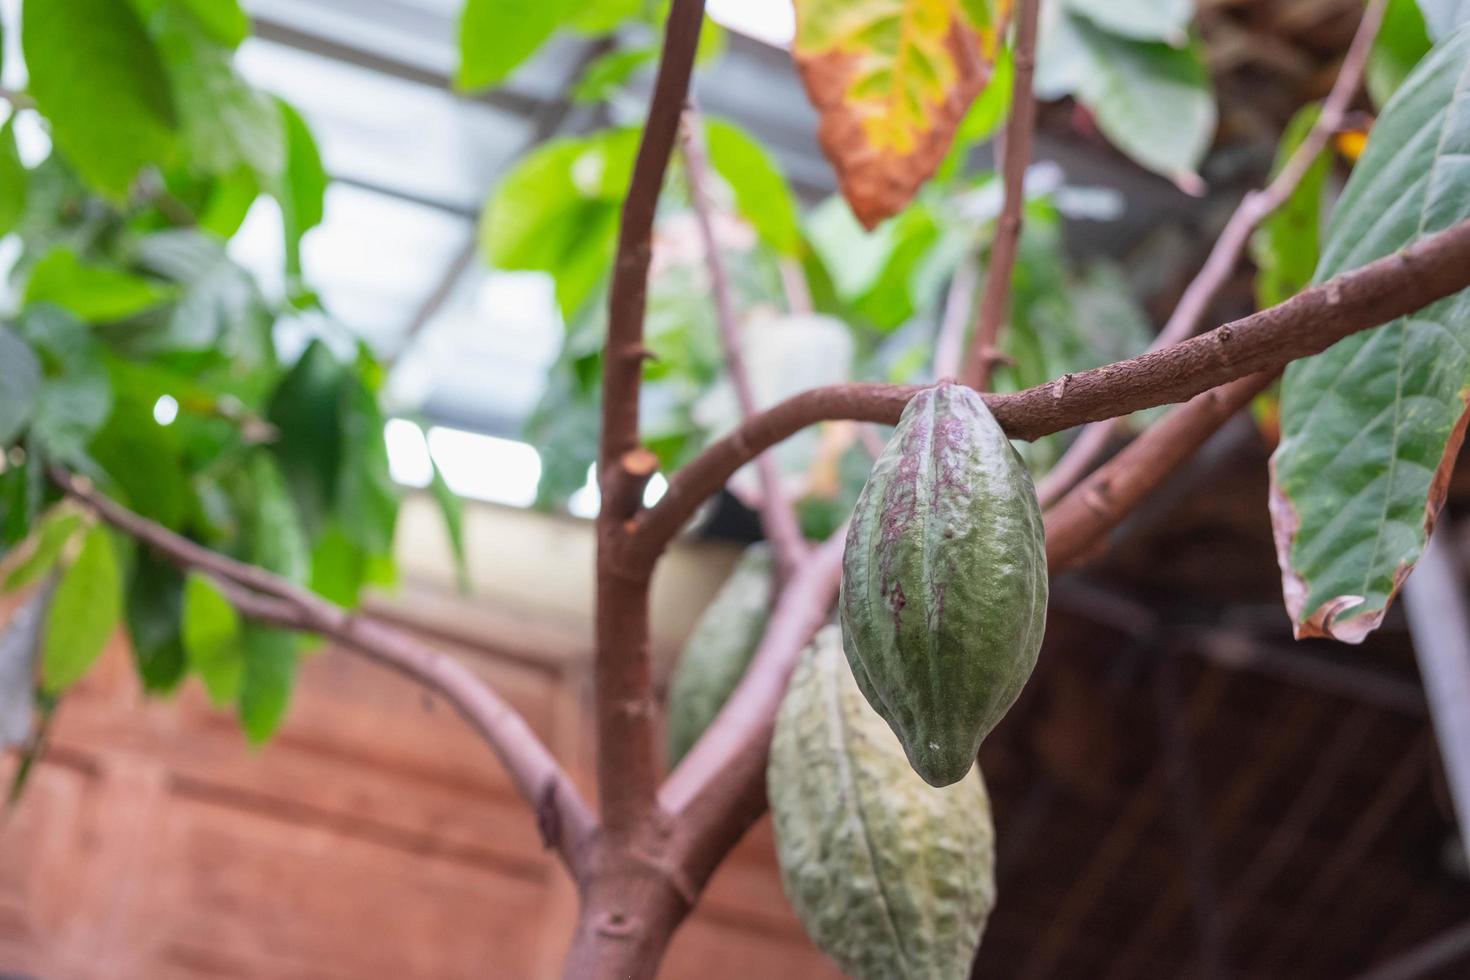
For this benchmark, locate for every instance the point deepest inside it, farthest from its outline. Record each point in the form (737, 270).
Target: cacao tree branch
(563, 816)
(778, 516)
(1308, 323)
(627, 756)
(1254, 208)
(1019, 135)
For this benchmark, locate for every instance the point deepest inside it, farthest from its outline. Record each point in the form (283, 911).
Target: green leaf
(14, 179)
(99, 81)
(892, 80)
(76, 395)
(1371, 426)
(220, 307)
(557, 212)
(306, 410)
(84, 613)
(211, 632)
(603, 16)
(496, 36)
(50, 539)
(96, 293)
(761, 193)
(225, 21)
(1402, 40)
(1288, 243)
(277, 541)
(302, 188)
(155, 601)
(1143, 20)
(611, 72)
(225, 121)
(269, 674)
(229, 202)
(367, 498)
(1445, 17)
(1152, 101)
(20, 383)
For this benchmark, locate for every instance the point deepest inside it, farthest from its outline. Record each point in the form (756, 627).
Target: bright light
(587, 499)
(165, 410)
(657, 487)
(408, 454)
(502, 471)
(771, 21)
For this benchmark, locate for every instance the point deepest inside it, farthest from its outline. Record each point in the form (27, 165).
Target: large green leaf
(892, 80)
(1402, 40)
(1287, 245)
(76, 394)
(265, 685)
(98, 79)
(96, 293)
(84, 612)
(302, 188)
(761, 192)
(306, 410)
(20, 382)
(1371, 426)
(225, 121)
(225, 21)
(220, 306)
(1153, 101)
(50, 540)
(557, 212)
(155, 601)
(495, 36)
(367, 498)
(211, 636)
(14, 179)
(1146, 20)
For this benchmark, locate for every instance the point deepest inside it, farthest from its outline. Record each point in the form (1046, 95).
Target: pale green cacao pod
(720, 648)
(891, 877)
(944, 582)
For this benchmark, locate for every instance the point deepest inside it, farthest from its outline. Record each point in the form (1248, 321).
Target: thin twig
(1020, 134)
(959, 304)
(778, 516)
(627, 752)
(272, 600)
(1254, 208)
(1432, 268)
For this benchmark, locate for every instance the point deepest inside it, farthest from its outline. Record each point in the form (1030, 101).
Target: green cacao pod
(944, 582)
(890, 876)
(720, 648)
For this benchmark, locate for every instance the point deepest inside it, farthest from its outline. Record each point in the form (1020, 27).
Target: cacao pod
(944, 582)
(890, 876)
(720, 648)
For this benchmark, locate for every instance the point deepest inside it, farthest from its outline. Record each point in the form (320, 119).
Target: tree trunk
(627, 919)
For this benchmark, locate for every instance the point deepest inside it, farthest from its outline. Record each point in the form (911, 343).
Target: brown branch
(1254, 208)
(1020, 134)
(272, 600)
(1308, 323)
(778, 516)
(1077, 526)
(627, 753)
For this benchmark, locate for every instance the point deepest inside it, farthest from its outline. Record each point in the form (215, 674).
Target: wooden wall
(374, 837)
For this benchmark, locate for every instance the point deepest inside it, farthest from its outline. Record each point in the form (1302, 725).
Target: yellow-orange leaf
(892, 80)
